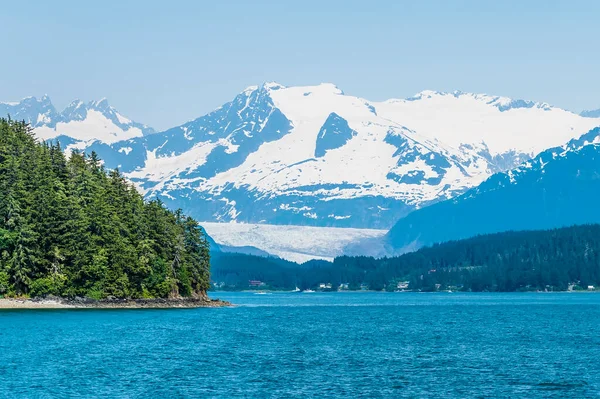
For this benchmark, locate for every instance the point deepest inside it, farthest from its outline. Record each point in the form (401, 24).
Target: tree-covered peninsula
(70, 228)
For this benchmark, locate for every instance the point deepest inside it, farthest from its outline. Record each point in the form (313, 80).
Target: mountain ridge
(80, 121)
(312, 155)
(557, 188)
(256, 159)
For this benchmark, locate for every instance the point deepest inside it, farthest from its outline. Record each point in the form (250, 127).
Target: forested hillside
(234, 271)
(70, 228)
(509, 261)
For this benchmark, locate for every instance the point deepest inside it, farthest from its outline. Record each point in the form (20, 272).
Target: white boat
(308, 291)
(296, 290)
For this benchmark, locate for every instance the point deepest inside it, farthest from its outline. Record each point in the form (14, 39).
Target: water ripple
(355, 345)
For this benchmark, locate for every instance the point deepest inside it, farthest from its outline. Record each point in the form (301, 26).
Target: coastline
(87, 303)
(597, 291)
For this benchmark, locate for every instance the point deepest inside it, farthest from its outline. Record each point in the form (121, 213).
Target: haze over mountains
(313, 156)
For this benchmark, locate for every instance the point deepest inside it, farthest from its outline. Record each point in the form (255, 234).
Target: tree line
(510, 261)
(69, 227)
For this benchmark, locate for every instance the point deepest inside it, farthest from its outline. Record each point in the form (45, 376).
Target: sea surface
(325, 345)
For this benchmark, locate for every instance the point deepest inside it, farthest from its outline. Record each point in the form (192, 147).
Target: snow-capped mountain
(559, 187)
(79, 124)
(314, 156)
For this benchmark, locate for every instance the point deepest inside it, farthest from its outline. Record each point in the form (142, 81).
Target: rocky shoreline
(110, 303)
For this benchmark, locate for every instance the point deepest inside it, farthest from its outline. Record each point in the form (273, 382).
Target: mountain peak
(101, 104)
(331, 87)
(76, 103)
(556, 188)
(250, 89)
(500, 102)
(76, 110)
(75, 121)
(34, 100)
(272, 86)
(312, 155)
(426, 94)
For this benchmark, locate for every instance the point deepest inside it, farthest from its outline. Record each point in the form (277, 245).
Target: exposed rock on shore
(110, 303)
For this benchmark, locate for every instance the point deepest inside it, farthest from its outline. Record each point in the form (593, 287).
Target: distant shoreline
(408, 292)
(87, 303)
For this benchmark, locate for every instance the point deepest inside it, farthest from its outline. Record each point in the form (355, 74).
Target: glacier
(295, 243)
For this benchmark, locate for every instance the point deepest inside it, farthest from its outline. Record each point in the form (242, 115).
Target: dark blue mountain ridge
(559, 187)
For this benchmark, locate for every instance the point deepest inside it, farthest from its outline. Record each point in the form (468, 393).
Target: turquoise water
(372, 345)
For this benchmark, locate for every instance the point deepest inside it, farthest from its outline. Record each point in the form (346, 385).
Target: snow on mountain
(495, 125)
(312, 155)
(294, 243)
(31, 110)
(557, 188)
(78, 124)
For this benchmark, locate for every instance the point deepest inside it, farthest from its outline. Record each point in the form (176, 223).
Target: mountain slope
(591, 114)
(78, 124)
(314, 156)
(559, 187)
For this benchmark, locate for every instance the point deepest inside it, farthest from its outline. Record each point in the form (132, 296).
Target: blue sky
(163, 63)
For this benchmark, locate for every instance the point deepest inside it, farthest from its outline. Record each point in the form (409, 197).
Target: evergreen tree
(68, 227)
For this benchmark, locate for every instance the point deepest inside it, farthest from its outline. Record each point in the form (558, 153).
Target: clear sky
(166, 62)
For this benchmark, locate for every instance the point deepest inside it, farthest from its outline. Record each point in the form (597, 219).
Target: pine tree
(71, 228)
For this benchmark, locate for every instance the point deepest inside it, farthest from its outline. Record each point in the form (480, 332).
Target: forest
(69, 228)
(553, 260)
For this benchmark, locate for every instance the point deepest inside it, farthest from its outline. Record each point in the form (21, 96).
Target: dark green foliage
(234, 271)
(510, 261)
(70, 228)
